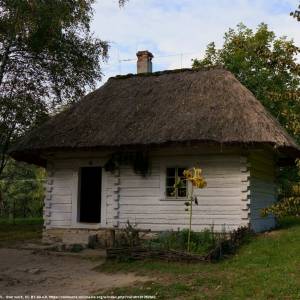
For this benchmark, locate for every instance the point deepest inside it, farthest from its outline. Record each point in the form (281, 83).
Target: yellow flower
(194, 175)
(187, 174)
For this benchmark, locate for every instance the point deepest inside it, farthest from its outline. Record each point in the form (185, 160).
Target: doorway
(90, 195)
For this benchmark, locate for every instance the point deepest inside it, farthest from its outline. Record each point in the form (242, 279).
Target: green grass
(20, 230)
(22, 221)
(268, 267)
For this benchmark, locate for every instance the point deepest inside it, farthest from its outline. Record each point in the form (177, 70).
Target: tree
(296, 14)
(122, 2)
(266, 65)
(288, 196)
(22, 190)
(48, 57)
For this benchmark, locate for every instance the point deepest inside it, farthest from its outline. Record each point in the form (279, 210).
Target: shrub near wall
(205, 246)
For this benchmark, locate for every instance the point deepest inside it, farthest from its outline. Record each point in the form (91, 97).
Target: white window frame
(176, 178)
(171, 163)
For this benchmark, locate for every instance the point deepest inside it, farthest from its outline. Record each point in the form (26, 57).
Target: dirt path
(24, 273)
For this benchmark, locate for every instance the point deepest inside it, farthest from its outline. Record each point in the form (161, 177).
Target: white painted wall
(58, 200)
(224, 204)
(262, 189)
(61, 199)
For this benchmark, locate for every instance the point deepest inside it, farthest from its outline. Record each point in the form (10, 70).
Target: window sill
(173, 199)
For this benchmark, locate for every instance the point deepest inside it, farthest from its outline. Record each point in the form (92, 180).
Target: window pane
(174, 174)
(170, 182)
(182, 192)
(183, 183)
(170, 192)
(180, 175)
(171, 172)
(180, 172)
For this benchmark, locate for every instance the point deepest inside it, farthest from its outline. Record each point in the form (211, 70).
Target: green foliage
(122, 2)
(200, 242)
(288, 195)
(296, 14)
(138, 160)
(21, 190)
(289, 206)
(214, 245)
(269, 68)
(22, 221)
(76, 248)
(266, 65)
(52, 42)
(288, 222)
(287, 177)
(129, 237)
(48, 57)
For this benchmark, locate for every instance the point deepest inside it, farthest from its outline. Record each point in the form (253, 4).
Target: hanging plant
(138, 160)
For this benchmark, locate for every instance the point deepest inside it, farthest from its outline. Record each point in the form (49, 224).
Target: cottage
(115, 155)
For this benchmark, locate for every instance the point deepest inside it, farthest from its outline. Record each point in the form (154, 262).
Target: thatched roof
(150, 109)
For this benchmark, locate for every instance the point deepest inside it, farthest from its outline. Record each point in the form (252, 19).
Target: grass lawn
(20, 230)
(268, 267)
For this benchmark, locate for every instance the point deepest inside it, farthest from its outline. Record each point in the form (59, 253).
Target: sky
(176, 31)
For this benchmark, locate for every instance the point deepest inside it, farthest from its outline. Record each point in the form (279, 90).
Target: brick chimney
(144, 63)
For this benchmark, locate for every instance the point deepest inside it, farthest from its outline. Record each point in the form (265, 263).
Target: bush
(201, 242)
(76, 248)
(129, 237)
(206, 242)
(206, 245)
(286, 207)
(229, 243)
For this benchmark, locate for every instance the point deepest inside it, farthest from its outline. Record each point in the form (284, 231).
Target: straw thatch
(147, 109)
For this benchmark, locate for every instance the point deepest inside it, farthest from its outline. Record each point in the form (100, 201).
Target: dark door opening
(90, 194)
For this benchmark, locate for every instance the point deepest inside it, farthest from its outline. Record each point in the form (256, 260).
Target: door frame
(75, 197)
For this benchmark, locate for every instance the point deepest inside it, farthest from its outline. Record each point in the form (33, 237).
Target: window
(90, 195)
(173, 175)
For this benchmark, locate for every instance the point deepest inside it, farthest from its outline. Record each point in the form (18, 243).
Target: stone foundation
(104, 237)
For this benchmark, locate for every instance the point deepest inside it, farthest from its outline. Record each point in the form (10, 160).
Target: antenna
(119, 61)
(181, 56)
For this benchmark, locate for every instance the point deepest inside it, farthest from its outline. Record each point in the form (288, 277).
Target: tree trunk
(1, 203)
(4, 61)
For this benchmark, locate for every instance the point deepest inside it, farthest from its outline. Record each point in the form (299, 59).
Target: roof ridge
(173, 71)
(206, 106)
